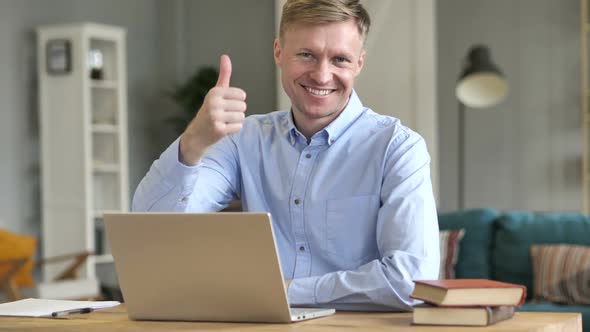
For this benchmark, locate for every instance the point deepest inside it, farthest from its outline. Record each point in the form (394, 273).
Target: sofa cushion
(449, 241)
(517, 231)
(475, 247)
(561, 273)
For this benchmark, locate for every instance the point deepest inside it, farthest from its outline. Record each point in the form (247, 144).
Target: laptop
(221, 267)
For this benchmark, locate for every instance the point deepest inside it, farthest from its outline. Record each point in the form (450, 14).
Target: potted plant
(191, 94)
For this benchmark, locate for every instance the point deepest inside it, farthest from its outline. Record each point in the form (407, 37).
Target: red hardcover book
(469, 292)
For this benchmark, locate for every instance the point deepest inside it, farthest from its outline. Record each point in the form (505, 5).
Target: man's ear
(360, 62)
(277, 51)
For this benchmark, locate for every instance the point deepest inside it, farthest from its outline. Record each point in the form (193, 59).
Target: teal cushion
(551, 307)
(517, 231)
(475, 247)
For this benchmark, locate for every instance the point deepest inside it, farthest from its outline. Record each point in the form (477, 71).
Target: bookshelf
(83, 124)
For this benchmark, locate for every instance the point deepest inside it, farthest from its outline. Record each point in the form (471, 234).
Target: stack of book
(469, 302)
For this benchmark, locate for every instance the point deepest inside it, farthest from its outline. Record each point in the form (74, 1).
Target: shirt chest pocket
(351, 227)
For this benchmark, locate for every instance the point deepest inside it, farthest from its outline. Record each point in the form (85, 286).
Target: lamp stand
(461, 158)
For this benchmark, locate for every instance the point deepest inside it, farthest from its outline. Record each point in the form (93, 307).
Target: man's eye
(340, 59)
(305, 55)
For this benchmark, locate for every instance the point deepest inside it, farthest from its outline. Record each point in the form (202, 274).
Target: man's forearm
(377, 286)
(190, 150)
(162, 188)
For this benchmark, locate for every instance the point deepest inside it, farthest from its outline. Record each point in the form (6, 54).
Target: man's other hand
(222, 113)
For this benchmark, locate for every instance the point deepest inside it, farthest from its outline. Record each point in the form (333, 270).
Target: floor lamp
(480, 85)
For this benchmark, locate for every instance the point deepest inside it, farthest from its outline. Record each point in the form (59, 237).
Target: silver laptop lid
(206, 267)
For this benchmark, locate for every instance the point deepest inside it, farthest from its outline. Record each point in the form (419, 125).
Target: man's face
(318, 66)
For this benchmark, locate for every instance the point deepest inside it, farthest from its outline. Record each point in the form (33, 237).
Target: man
(348, 189)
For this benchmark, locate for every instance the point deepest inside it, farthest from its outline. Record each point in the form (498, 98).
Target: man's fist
(222, 113)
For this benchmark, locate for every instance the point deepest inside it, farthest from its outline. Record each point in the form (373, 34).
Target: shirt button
(302, 248)
(308, 155)
(297, 201)
(332, 141)
(184, 199)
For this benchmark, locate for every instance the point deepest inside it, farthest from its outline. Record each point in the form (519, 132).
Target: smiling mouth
(318, 92)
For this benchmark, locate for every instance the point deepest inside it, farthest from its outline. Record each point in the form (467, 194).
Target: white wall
(166, 42)
(399, 77)
(522, 154)
(196, 33)
(525, 152)
(19, 132)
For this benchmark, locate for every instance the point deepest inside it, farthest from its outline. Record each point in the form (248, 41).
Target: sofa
(497, 246)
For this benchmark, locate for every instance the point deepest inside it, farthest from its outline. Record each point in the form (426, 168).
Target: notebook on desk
(201, 267)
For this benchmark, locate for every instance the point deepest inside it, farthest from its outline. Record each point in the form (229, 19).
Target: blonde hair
(324, 11)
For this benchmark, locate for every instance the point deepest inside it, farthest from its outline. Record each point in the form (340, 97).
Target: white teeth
(318, 92)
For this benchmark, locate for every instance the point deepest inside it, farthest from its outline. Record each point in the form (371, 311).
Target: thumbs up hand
(222, 113)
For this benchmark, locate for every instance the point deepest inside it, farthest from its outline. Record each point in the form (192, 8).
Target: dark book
(469, 292)
(464, 316)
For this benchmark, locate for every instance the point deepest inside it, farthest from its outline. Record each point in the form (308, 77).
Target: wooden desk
(115, 319)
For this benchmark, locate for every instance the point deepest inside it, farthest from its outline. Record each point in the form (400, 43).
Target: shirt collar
(294, 133)
(351, 112)
(338, 126)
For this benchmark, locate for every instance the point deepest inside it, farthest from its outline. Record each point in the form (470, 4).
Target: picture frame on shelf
(58, 56)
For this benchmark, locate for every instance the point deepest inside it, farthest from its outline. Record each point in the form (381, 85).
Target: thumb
(224, 72)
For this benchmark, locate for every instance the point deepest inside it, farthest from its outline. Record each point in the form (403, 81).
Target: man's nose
(321, 74)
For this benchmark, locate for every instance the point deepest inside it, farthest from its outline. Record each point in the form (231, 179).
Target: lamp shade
(481, 83)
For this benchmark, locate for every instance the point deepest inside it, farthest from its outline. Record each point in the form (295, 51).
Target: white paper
(44, 308)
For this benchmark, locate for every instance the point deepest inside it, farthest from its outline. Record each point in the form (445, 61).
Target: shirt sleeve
(407, 238)
(171, 186)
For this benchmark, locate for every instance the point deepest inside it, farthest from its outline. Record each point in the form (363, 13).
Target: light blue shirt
(353, 211)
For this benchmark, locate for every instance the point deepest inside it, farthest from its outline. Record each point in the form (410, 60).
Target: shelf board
(104, 128)
(103, 84)
(105, 168)
(101, 259)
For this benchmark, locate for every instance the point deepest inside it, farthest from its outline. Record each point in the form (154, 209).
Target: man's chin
(318, 113)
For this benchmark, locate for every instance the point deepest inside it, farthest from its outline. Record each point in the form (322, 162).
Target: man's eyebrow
(344, 54)
(338, 53)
